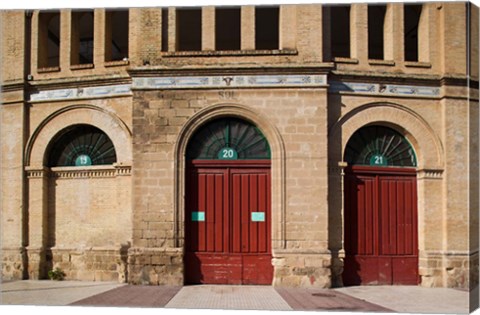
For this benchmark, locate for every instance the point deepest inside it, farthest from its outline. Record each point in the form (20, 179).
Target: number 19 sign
(227, 154)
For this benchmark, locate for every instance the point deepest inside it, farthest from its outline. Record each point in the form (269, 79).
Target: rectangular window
(411, 19)
(48, 39)
(189, 29)
(376, 19)
(116, 35)
(165, 29)
(82, 37)
(267, 28)
(227, 28)
(340, 31)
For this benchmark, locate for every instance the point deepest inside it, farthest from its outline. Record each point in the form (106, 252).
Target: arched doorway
(228, 205)
(380, 192)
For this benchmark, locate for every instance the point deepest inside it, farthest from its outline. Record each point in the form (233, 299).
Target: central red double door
(228, 223)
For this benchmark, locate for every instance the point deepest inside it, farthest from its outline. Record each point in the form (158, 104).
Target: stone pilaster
(37, 221)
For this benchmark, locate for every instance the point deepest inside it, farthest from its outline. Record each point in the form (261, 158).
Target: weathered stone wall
(86, 212)
(299, 116)
(12, 189)
(90, 264)
(155, 266)
(307, 129)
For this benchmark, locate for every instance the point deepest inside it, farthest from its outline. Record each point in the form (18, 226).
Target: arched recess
(277, 165)
(114, 128)
(430, 164)
(42, 212)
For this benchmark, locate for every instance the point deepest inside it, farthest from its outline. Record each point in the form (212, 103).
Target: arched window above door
(81, 145)
(228, 139)
(379, 146)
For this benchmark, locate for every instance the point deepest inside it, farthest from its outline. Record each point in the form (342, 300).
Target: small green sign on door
(198, 216)
(258, 216)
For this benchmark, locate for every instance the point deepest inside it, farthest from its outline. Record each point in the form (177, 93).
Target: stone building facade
(293, 145)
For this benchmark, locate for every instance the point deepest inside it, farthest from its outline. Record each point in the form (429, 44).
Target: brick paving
(132, 296)
(326, 300)
(230, 297)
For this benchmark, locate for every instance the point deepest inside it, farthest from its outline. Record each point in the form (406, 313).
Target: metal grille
(379, 146)
(244, 138)
(82, 145)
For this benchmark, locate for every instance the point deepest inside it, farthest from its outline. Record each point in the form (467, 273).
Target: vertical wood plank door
(381, 242)
(227, 226)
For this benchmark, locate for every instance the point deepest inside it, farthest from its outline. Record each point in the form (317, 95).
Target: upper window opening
(267, 28)
(227, 28)
(82, 145)
(165, 29)
(49, 39)
(340, 31)
(411, 18)
(82, 37)
(379, 146)
(376, 20)
(228, 139)
(116, 35)
(189, 29)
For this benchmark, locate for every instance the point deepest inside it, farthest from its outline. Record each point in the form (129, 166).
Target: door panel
(251, 211)
(359, 211)
(205, 211)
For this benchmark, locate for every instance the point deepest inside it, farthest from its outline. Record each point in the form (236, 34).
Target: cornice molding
(81, 81)
(244, 69)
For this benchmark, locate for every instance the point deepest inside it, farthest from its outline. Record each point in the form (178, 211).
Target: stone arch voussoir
(109, 123)
(427, 145)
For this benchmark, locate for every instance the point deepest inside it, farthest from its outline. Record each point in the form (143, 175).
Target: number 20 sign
(227, 154)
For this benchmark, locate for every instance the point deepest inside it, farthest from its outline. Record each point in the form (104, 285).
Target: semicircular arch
(118, 132)
(413, 127)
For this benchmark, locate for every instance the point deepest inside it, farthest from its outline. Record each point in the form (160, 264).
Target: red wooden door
(227, 224)
(380, 226)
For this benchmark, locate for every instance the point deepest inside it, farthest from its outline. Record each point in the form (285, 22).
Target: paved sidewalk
(414, 299)
(45, 293)
(232, 297)
(405, 299)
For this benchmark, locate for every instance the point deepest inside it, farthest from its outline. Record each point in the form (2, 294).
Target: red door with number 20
(227, 223)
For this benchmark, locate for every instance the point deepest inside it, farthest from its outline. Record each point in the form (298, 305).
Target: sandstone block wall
(131, 228)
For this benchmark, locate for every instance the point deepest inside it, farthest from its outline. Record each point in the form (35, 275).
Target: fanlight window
(82, 145)
(228, 139)
(379, 146)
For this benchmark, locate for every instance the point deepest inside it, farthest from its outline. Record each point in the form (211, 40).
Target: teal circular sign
(83, 160)
(227, 153)
(378, 160)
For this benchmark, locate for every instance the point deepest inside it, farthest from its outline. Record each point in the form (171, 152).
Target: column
(288, 26)
(65, 38)
(37, 222)
(247, 28)
(359, 32)
(208, 28)
(101, 37)
(393, 33)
